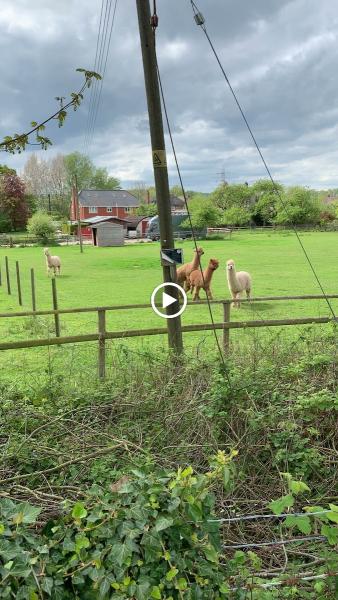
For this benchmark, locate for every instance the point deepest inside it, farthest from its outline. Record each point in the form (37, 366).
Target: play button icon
(165, 299)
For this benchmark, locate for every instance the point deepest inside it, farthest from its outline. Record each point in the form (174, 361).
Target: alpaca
(197, 281)
(183, 272)
(238, 283)
(53, 262)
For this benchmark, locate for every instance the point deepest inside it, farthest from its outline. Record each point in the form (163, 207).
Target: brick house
(104, 203)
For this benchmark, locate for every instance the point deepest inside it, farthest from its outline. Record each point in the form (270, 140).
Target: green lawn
(106, 276)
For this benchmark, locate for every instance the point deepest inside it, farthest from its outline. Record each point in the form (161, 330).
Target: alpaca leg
(248, 294)
(209, 294)
(196, 295)
(59, 270)
(233, 305)
(187, 285)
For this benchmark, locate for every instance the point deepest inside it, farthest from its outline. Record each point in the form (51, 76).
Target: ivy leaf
(181, 584)
(171, 574)
(26, 513)
(333, 507)
(226, 476)
(163, 523)
(331, 533)
(119, 553)
(298, 487)
(79, 511)
(2, 528)
(187, 472)
(194, 512)
(142, 591)
(156, 593)
(302, 523)
(279, 506)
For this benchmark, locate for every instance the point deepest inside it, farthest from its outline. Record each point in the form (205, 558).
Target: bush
(149, 536)
(42, 226)
(5, 223)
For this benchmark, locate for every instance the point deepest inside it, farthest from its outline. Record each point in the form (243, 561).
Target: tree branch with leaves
(17, 143)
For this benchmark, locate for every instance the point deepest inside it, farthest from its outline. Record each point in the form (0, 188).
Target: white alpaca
(53, 262)
(238, 283)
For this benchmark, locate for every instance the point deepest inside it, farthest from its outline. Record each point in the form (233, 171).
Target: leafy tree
(203, 214)
(4, 170)
(102, 181)
(146, 210)
(225, 196)
(80, 165)
(236, 216)
(265, 209)
(12, 200)
(299, 206)
(42, 226)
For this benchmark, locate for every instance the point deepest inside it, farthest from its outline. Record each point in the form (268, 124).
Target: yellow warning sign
(159, 158)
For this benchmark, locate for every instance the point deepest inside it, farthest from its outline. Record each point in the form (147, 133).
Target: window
(127, 209)
(109, 209)
(92, 209)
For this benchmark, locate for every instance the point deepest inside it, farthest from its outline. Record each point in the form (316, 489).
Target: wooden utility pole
(159, 162)
(78, 216)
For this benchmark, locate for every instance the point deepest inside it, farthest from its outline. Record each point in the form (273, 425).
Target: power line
(200, 21)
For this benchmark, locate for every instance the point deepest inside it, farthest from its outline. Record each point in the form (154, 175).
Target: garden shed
(107, 233)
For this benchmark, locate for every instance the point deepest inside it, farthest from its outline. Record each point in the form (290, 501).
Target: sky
(281, 58)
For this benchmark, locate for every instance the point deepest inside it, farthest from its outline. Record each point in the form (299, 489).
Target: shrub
(5, 223)
(42, 226)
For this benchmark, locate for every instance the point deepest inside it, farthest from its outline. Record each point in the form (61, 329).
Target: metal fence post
(102, 343)
(226, 331)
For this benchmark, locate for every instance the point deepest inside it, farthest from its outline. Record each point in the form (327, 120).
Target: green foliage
(42, 226)
(7, 170)
(265, 208)
(88, 176)
(226, 196)
(146, 210)
(236, 216)
(150, 536)
(5, 223)
(299, 206)
(203, 213)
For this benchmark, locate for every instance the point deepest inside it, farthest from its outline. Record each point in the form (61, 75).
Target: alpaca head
(213, 264)
(199, 251)
(230, 265)
(46, 251)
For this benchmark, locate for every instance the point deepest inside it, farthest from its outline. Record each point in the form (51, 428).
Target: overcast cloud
(281, 57)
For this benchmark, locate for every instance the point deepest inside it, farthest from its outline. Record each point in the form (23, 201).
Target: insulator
(200, 20)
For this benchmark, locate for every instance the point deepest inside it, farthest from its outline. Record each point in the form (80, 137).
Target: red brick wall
(102, 212)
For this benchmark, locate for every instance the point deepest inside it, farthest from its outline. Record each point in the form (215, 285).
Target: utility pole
(76, 196)
(159, 162)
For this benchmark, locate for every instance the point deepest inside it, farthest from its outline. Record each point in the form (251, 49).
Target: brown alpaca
(198, 282)
(183, 272)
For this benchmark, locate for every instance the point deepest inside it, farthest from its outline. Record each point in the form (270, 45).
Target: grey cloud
(280, 57)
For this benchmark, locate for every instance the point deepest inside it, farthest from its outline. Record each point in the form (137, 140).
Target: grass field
(128, 275)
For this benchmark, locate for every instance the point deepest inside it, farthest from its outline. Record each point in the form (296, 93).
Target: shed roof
(119, 198)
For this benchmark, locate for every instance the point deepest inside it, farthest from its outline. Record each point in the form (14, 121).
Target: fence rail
(101, 335)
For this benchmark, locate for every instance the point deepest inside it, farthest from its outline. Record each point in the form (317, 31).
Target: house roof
(119, 198)
(95, 220)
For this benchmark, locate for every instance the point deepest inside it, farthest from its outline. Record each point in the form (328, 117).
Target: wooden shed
(107, 234)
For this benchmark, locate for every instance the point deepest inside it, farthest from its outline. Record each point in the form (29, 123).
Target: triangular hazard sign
(156, 159)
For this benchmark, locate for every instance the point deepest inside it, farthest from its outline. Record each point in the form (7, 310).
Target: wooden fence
(102, 335)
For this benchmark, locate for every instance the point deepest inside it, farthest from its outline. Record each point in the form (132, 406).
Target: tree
(80, 165)
(299, 206)
(42, 226)
(265, 209)
(203, 214)
(12, 200)
(146, 210)
(102, 181)
(225, 196)
(4, 170)
(236, 216)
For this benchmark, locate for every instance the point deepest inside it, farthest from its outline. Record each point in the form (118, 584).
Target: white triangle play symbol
(167, 300)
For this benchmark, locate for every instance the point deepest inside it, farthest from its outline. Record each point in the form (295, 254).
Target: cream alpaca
(183, 272)
(198, 282)
(238, 283)
(53, 262)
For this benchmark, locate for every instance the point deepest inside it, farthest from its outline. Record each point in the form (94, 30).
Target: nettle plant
(150, 536)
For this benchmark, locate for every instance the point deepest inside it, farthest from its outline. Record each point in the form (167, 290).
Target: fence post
(18, 282)
(55, 307)
(102, 343)
(33, 290)
(226, 332)
(7, 276)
